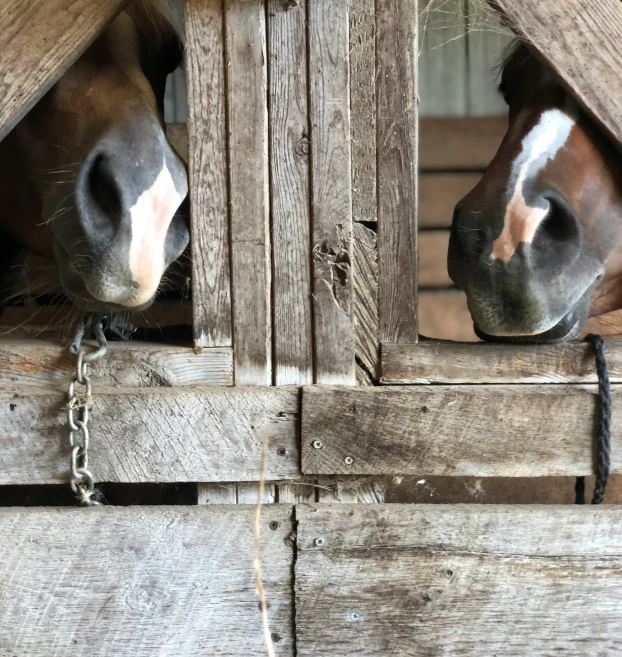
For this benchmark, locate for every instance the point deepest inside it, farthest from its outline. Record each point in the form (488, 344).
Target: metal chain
(82, 481)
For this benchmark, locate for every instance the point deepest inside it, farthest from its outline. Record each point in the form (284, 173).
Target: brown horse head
(537, 244)
(89, 178)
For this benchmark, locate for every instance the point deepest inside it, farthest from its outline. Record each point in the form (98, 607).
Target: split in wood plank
(449, 362)
(154, 435)
(205, 75)
(138, 581)
(465, 430)
(458, 580)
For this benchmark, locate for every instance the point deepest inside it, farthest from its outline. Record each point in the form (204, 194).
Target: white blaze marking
(151, 216)
(541, 144)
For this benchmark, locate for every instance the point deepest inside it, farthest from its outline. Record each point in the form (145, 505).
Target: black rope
(603, 458)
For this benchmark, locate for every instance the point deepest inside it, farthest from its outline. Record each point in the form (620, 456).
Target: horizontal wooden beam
(45, 363)
(433, 247)
(455, 362)
(140, 581)
(438, 194)
(153, 434)
(458, 580)
(39, 41)
(480, 430)
(581, 42)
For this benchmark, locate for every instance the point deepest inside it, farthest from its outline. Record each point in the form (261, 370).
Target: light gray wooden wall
(460, 45)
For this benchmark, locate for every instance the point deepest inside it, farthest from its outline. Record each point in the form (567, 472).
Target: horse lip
(564, 330)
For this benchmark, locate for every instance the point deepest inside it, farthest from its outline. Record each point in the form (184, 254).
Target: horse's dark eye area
(103, 188)
(504, 90)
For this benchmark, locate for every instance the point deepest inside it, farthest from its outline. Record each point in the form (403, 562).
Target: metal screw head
(317, 444)
(348, 460)
(320, 541)
(274, 525)
(355, 616)
(281, 451)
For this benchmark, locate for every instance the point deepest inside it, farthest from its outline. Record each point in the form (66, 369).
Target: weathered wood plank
(44, 363)
(140, 581)
(291, 210)
(443, 81)
(205, 75)
(350, 490)
(40, 40)
(362, 59)
(485, 431)
(458, 580)
(247, 92)
(217, 494)
(249, 493)
(331, 191)
(447, 362)
(580, 40)
(153, 435)
(433, 247)
(366, 300)
(396, 52)
(444, 315)
(438, 195)
(459, 144)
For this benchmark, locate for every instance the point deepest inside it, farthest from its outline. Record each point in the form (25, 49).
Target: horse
(537, 244)
(88, 179)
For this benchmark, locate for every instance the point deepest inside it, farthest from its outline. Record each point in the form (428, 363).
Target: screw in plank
(348, 460)
(281, 451)
(274, 525)
(355, 616)
(276, 637)
(320, 541)
(317, 444)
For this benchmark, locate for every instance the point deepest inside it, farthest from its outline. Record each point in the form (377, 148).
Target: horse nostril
(560, 224)
(103, 188)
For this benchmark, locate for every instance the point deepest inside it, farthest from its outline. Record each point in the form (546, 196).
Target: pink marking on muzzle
(151, 217)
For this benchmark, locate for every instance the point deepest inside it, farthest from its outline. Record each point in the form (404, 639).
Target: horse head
(99, 185)
(536, 244)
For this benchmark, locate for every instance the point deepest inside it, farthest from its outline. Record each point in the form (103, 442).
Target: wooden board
(205, 75)
(447, 362)
(331, 191)
(444, 315)
(459, 144)
(247, 93)
(438, 195)
(362, 59)
(153, 435)
(136, 582)
(480, 430)
(40, 40)
(433, 247)
(291, 211)
(458, 580)
(580, 40)
(396, 97)
(45, 364)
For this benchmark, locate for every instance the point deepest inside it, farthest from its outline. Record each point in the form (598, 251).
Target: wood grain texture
(366, 300)
(153, 435)
(396, 90)
(480, 430)
(459, 144)
(433, 247)
(290, 193)
(350, 490)
(447, 362)
(217, 494)
(45, 364)
(247, 89)
(438, 195)
(580, 41)
(40, 40)
(205, 75)
(331, 191)
(362, 59)
(444, 315)
(458, 580)
(171, 581)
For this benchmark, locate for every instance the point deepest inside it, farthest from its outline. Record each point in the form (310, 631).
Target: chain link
(82, 481)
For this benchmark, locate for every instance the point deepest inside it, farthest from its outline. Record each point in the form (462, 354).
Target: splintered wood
(171, 581)
(459, 580)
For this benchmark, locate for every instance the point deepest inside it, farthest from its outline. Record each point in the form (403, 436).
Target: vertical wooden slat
(291, 212)
(363, 108)
(248, 152)
(331, 191)
(396, 53)
(208, 173)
